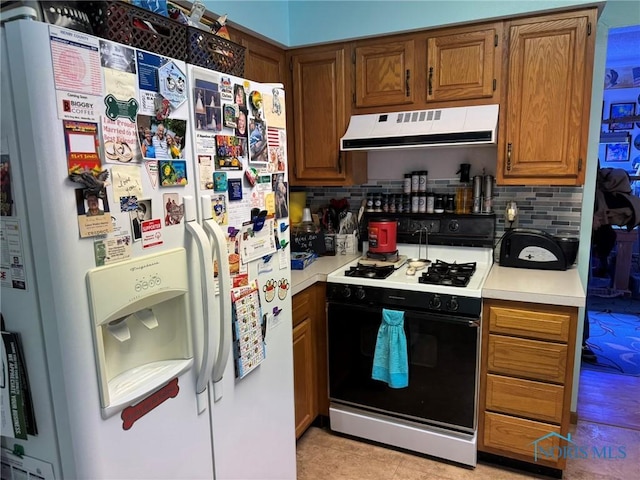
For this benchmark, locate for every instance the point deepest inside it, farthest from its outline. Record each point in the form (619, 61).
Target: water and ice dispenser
(140, 318)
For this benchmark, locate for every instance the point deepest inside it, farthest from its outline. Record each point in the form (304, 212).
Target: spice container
(450, 205)
(430, 202)
(439, 204)
(422, 181)
(415, 182)
(406, 185)
(415, 203)
(422, 202)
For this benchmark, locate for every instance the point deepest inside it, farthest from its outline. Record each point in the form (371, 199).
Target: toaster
(529, 248)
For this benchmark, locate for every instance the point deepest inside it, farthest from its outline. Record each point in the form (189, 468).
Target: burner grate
(452, 274)
(369, 271)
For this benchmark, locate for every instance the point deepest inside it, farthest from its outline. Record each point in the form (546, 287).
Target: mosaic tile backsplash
(549, 208)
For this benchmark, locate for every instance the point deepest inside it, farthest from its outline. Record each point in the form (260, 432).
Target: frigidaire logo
(573, 450)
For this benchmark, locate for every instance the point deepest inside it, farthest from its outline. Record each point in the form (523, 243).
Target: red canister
(382, 236)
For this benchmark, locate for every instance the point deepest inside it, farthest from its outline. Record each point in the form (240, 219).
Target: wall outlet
(510, 212)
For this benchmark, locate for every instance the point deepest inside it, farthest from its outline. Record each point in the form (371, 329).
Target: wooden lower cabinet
(309, 357)
(525, 380)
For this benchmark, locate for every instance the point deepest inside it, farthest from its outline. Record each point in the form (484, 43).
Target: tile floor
(608, 411)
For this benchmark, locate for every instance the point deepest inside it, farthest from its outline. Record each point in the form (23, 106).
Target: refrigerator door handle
(219, 250)
(208, 300)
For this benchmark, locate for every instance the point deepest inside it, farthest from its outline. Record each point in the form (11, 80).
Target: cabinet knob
(509, 148)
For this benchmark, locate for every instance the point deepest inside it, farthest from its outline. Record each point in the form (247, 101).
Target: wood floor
(608, 414)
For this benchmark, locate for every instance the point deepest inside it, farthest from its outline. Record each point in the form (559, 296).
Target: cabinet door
(263, 62)
(303, 376)
(385, 74)
(463, 65)
(320, 115)
(545, 117)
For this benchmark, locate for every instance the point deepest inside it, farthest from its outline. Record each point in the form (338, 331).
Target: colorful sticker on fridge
(226, 89)
(117, 56)
(81, 142)
(78, 106)
(258, 141)
(205, 172)
(255, 101)
(219, 209)
(274, 108)
(138, 216)
(230, 115)
(127, 182)
(283, 288)
(128, 204)
(207, 112)
(76, 61)
(173, 173)
(93, 213)
(220, 183)
(234, 187)
(230, 152)
(148, 65)
(112, 249)
(255, 244)
(119, 138)
(173, 211)
(121, 108)
(172, 84)
(240, 96)
(280, 190)
(277, 150)
(269, 289)
(161, 139)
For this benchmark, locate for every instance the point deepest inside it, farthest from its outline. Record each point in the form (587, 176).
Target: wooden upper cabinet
(544, 119)
(320, 116)
(263, 61)
(463, 64)
(385, 73)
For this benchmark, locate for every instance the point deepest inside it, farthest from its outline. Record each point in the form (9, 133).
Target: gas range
(459, 254)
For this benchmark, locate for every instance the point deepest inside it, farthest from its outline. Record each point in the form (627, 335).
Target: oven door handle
(437, 317)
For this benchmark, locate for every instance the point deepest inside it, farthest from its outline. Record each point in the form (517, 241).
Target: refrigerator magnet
(220, 182)
(172, 84)
(234, 186)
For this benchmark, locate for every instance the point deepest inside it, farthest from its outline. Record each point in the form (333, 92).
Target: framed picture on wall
(621, 110)
(618, 152)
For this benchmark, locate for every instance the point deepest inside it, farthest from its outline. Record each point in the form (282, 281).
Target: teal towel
(390, 363)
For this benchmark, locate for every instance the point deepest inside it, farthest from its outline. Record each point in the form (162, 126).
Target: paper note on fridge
(256, 244)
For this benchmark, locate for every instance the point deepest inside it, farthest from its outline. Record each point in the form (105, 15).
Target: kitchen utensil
(382, 236)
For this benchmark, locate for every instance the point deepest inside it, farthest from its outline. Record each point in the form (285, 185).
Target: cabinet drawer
(302, 304)
(527, 358)
(530, 323)
(526, 398)
(516, 436)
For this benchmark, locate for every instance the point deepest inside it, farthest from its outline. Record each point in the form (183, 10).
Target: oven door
(442, 352)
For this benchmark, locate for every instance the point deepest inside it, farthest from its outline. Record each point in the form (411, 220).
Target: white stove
(436, 413)
(399, 279)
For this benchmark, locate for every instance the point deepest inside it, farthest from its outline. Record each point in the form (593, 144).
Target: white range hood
(443, 127)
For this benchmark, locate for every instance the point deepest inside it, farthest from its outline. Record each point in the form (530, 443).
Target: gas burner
(385, 257)
(366, 271)
(453, 274)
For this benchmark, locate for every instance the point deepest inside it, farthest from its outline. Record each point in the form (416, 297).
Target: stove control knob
(435, 302)
(360, 293)
(452, 304)
(346, 292)
(454, 226)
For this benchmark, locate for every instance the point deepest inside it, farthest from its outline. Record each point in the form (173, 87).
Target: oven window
(442, 354)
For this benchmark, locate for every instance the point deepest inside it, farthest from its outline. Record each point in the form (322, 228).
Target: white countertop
(537, 286)
(318, 270)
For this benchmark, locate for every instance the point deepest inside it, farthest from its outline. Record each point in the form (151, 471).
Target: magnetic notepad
(248, 341)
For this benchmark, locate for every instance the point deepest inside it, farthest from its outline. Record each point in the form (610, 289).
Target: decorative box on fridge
(137, 27)
(213, 52)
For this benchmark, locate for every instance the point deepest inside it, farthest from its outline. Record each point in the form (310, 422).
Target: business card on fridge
(152, 233)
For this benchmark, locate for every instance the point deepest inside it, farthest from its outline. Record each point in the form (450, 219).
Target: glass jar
(438, 206)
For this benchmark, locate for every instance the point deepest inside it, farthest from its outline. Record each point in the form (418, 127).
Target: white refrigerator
(139, 363)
